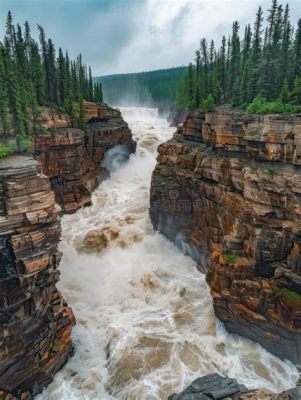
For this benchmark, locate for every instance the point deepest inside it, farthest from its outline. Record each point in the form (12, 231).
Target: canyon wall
(36, 322)
(227, 190)
(72, 159)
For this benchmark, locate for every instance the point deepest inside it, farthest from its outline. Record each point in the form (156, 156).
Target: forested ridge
(34, 74)
(260, 72)
(142, 88)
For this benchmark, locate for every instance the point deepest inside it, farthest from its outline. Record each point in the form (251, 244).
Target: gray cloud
(135, 35)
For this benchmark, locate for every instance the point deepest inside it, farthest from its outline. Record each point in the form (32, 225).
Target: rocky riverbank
(227, 190)
(216, 387)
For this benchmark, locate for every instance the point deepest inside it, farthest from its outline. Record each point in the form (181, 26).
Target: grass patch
(7, 149)
(269, 169)
(252, 134)
(293, 298)
(10, 148)
(229, 258)
(201, 147)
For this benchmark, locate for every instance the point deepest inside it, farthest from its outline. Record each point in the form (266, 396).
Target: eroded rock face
(36, 322)
(50, 119)
(177, 115)
(227, 190)
(216, 387)
(73, 160)
(99, 110)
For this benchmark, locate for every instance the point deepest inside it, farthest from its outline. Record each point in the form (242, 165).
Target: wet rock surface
(35, 321)
(72, 159)
(216, 387)
(226, 190)
(177, 115)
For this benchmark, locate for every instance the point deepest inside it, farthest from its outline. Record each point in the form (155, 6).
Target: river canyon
(145, 320)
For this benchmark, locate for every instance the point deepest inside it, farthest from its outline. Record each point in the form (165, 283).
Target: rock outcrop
(216, 387)
(176, 115)
(36, 322)
(72, 159)
(227, 189)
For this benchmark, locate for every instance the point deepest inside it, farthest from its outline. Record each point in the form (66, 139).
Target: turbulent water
(145, 323)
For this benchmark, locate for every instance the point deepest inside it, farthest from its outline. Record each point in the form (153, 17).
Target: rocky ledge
(36, 322)
(216, 387)
(72, 159)
(227, 190)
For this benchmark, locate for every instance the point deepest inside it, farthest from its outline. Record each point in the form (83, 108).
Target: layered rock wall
(72, 159)
(35, 320)
(227, 189)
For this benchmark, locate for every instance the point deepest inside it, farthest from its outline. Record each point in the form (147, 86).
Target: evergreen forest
(151, 88)
(259, 70)
(34, 74)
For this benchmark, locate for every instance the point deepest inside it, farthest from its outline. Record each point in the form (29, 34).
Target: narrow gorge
(145, 325)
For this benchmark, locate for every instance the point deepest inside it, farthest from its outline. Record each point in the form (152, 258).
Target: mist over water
(145, 322)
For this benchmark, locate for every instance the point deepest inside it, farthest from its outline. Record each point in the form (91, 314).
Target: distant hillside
(143, 88)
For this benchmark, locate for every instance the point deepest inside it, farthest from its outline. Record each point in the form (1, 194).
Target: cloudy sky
(117, 36)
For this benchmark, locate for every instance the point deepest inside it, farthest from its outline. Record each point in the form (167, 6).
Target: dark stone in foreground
(216, 387)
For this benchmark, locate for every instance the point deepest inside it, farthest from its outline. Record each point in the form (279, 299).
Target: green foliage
(260, 106)
(208, 104)
(270, 169)
(7, 150)
(33, 75)
(201, 147)
(146, 88)
(293, 298)
(229, 258)
(23, 146)
(261, 70)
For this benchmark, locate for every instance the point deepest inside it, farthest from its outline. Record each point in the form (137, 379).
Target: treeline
(143, 88)
(34, 74)
(260, 72)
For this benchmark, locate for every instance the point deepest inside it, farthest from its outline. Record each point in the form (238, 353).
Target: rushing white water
(145, 323)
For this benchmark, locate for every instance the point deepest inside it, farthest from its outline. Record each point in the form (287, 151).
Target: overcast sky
(117, 36)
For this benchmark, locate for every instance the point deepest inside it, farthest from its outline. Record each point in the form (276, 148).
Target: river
(145, 322)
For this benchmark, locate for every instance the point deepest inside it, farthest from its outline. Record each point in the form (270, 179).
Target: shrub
(229, 258)
(6, 150)
(201, 147)
(208, 104)
(260, 106)
(270, 169)
(293, 298)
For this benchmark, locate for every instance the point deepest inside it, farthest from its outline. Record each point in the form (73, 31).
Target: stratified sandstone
(72, 159)
(216, 387)
(227, 189)
(36, 322)
(49, 119)
(99, 111)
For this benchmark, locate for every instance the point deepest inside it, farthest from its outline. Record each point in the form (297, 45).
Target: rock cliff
(36, 322)
(227, 190)
(72, 159)
(216, 387)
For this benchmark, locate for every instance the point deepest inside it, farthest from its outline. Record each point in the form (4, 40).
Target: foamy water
(145, 323)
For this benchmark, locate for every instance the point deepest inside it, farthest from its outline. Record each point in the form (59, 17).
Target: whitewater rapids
(145, 323)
